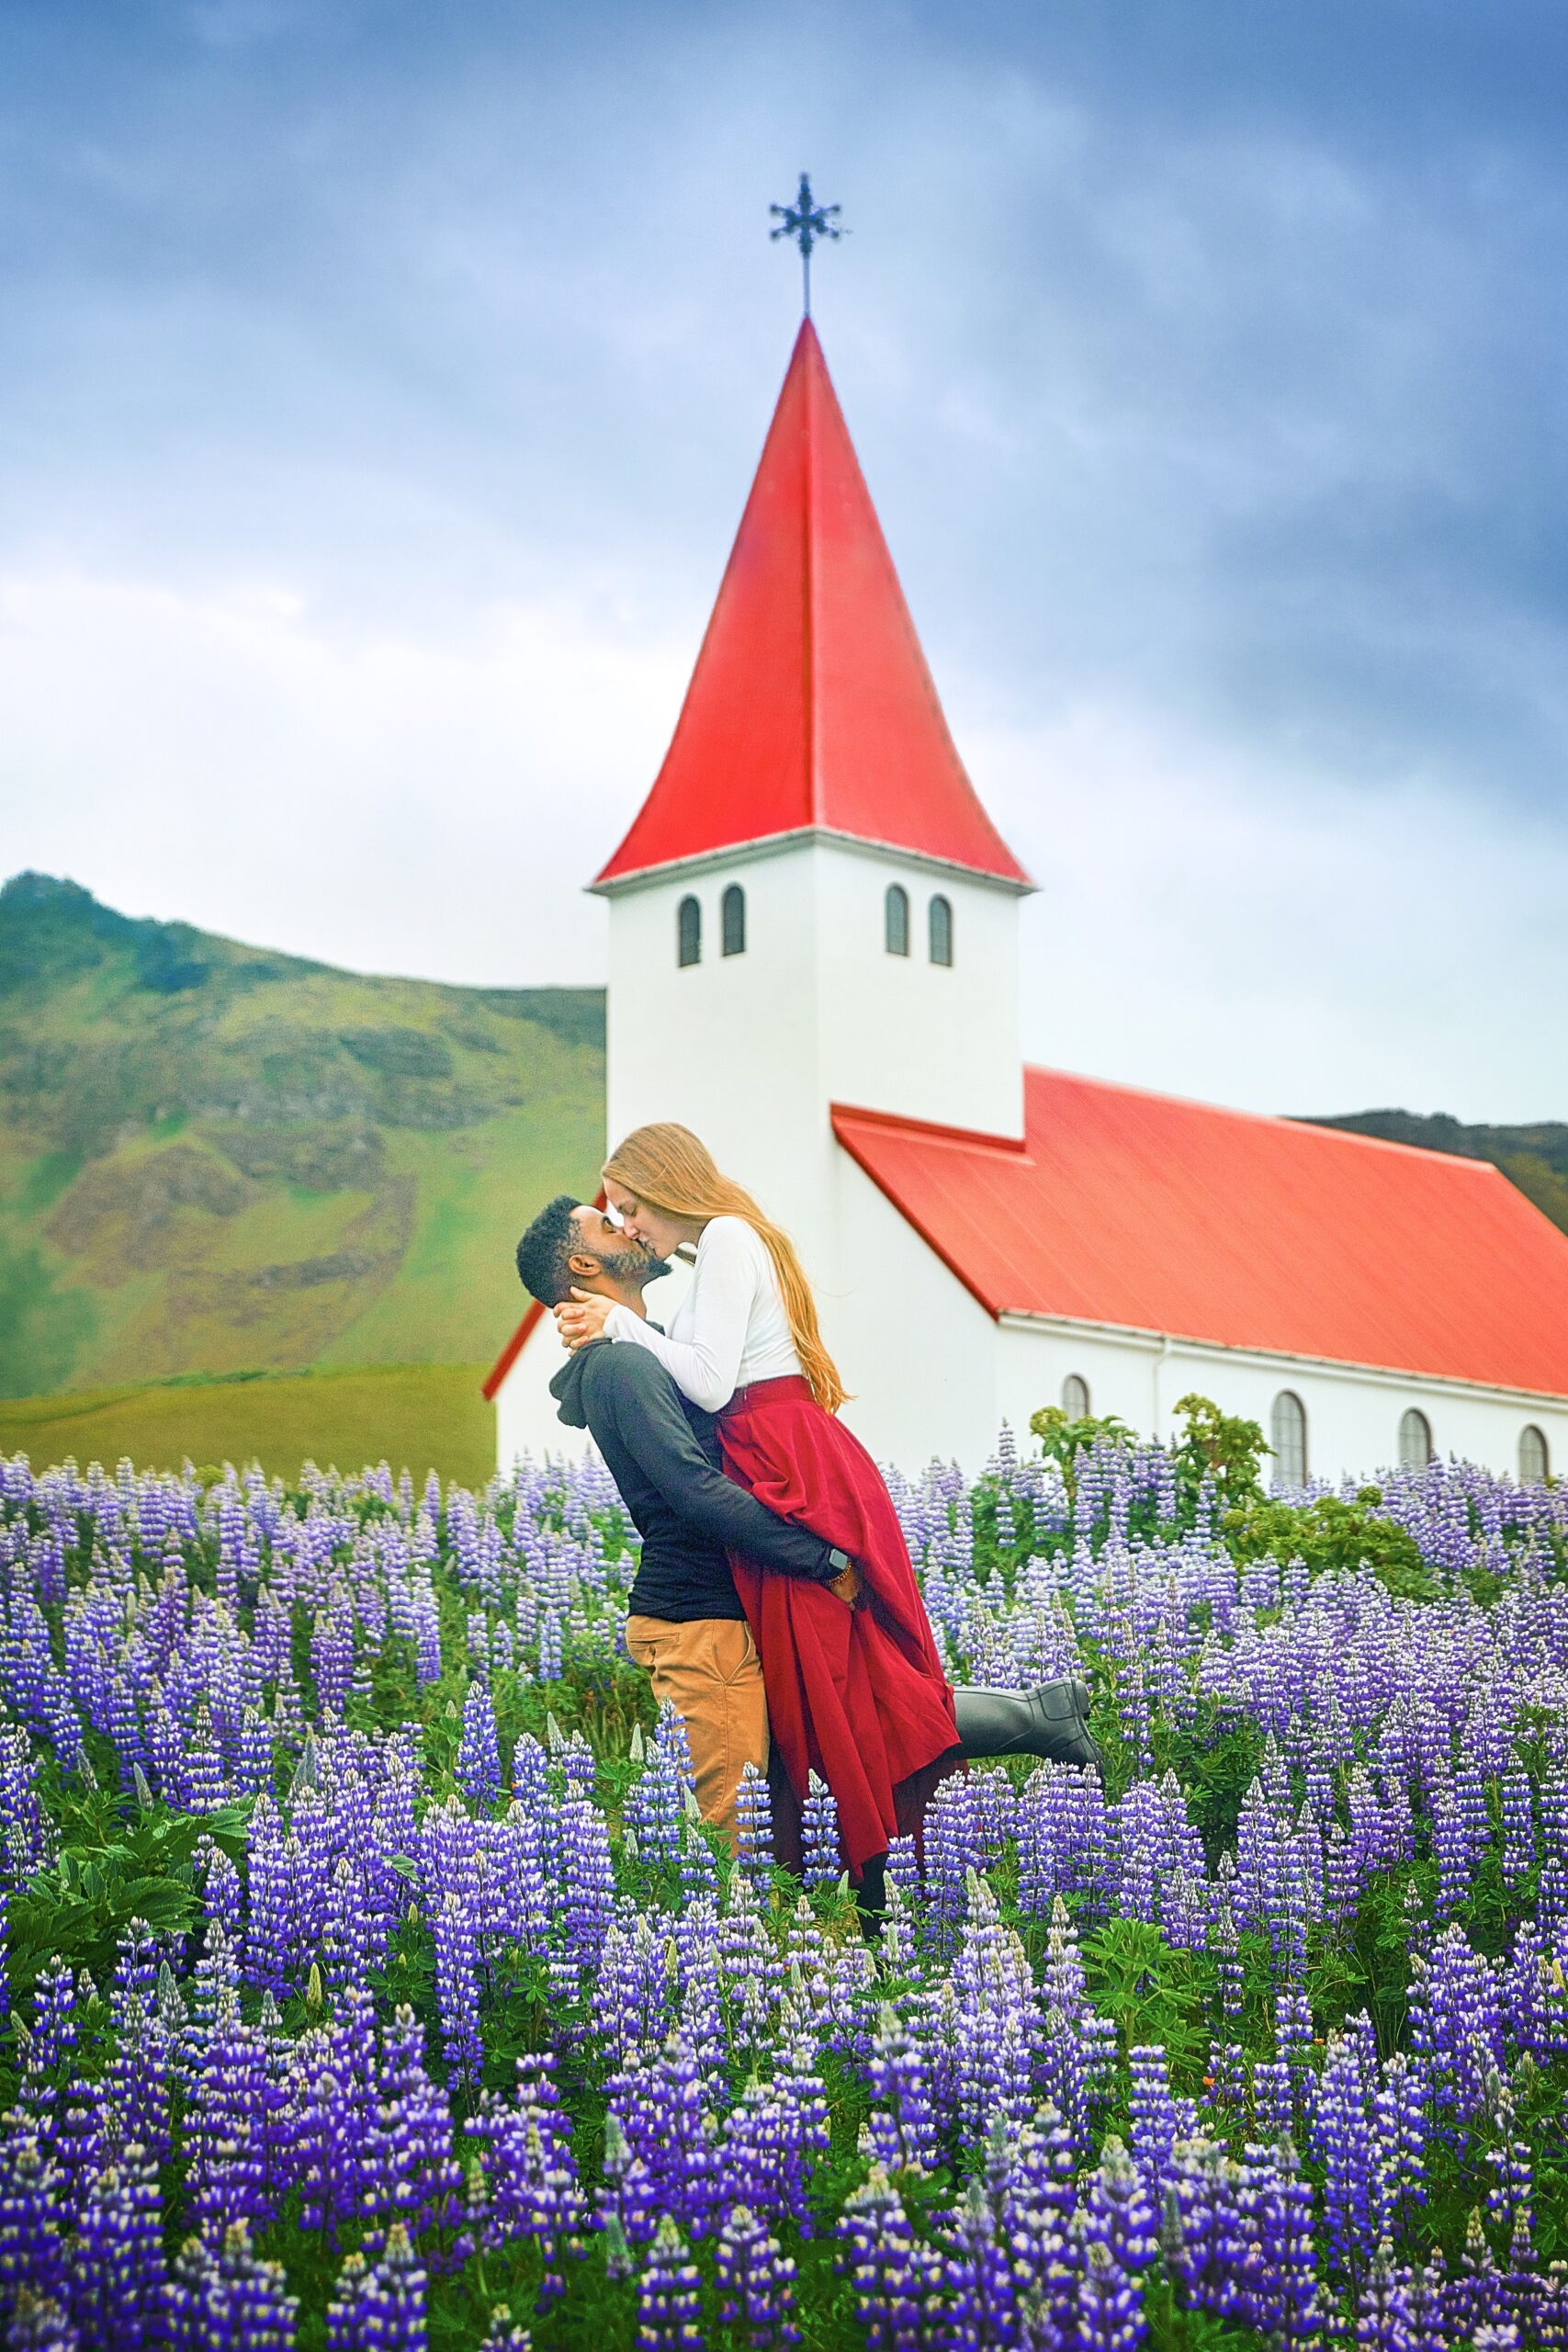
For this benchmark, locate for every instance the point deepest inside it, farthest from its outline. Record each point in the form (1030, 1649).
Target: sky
(380, 386)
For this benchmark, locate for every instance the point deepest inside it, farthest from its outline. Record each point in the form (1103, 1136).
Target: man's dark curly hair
(543, 1250)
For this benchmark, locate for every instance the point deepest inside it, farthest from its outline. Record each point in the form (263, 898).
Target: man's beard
(632, 1265)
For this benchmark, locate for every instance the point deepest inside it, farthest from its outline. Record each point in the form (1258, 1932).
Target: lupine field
(369, 1981)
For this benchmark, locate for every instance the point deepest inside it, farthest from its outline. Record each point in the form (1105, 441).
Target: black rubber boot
(1051, 1720)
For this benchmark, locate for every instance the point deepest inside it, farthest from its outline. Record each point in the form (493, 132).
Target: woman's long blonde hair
(667, 1167)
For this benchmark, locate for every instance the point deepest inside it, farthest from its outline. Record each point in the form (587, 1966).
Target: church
(813, 963)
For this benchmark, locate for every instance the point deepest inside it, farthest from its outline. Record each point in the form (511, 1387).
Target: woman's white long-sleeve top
(730, 1329)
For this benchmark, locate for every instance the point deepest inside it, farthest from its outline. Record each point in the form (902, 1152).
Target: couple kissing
(775, 1605)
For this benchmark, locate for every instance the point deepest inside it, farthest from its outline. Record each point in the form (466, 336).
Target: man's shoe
(1051, 1720)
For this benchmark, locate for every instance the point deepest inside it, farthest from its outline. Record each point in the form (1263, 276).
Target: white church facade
(814, 964)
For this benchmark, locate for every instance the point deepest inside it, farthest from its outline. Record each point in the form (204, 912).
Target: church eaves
(811, 709)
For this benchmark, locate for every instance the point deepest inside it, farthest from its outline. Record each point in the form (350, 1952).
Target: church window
(1075, 1397)
(689, 931)
(896, 907)
(1288, 1436)
(1534, 1460)
(1415, 1441)
(941, 930)
(732, 920)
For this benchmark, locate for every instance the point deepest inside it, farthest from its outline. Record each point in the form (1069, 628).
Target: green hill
(1534, 1157)
(217, 1159)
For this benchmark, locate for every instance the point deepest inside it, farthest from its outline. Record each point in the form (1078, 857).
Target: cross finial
(807, 223)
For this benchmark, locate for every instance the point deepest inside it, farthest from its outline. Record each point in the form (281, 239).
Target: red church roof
(1154, 1214)
(811, 705)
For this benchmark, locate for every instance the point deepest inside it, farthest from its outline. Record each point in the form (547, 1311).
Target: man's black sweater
(662, 1453)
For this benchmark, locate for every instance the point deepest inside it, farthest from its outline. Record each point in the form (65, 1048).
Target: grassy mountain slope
(1535, 1158)
(217, 1159)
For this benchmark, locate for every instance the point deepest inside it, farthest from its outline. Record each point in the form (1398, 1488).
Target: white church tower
(812, 906)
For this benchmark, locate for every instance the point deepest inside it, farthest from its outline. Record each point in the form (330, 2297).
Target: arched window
(689, 931)
(732, 920)
(1288, 1436)
(941, 930)
(895, 918)
(1535, 1461)
(1075, 1397)
(1414, 1439)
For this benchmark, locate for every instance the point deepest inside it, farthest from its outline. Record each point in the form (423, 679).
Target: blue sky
(379, 386)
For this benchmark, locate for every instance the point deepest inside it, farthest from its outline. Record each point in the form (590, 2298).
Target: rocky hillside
(213, 1158)
(1535, 1158)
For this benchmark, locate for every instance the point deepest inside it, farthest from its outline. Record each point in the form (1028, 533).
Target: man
(686, 1625)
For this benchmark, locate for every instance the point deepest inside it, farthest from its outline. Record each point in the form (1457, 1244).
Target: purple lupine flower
(895, 2275)
(229, 2125)
(669, 2295)
(978, 2284)
(117, 2278)
(995, 2055)
(223, 2297)
(40, 2324)
(32, 2214)
(138, 2076)
(1476, 2296)
(1158, 2118)
(773, 2141)
(478, 1766)
(665, 2111)
(822, 1862)
(379, 2304)
(754, 1823)
(902, 2127)
(530, 2171)
(410, 2174)
(756, 2284)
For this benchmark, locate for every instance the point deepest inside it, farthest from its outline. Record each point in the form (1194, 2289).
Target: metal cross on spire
(807, 223)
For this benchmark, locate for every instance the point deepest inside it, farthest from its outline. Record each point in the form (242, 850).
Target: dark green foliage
(1218, 1449)
(1153, 1994)
(119, 1861)
(1334, 1537)
(1062, 1439)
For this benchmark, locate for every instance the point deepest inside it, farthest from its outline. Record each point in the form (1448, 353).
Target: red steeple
(811, 705)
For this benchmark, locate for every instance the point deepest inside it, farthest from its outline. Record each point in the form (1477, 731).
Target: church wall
(525, 1411)
(914, 1345)
(1352, 1415)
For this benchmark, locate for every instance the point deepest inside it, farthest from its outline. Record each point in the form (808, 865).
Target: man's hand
(582, 1318)
(848, 1585)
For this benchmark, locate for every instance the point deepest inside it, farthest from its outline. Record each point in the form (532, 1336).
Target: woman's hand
(582, 1318)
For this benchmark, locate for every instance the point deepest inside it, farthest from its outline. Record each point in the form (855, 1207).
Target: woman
(855, 1688)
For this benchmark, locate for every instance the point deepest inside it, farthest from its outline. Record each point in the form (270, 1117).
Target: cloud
(1305, 952)
(378, 802)
(1206, 371)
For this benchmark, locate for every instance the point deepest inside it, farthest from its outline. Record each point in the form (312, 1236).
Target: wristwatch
(845, 1580)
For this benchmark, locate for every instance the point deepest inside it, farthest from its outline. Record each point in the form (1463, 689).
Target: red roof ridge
(971, 1138)
(1292, 1120)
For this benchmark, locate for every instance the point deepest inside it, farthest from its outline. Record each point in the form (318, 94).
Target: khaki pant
(711, 1674)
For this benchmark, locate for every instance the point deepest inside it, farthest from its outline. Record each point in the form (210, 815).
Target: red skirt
(856, 1695)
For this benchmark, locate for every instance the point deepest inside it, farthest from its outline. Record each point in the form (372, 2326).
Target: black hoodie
(662, 1453)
